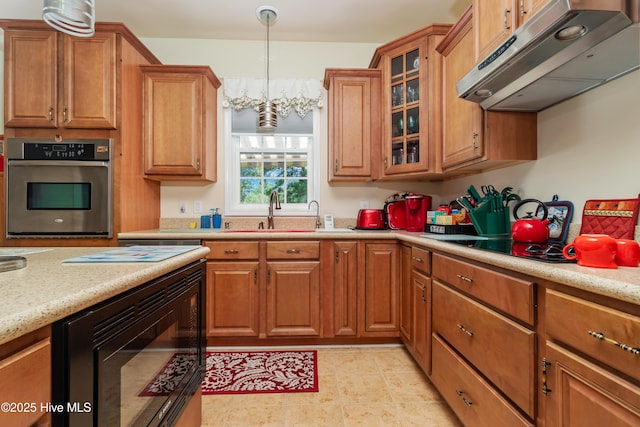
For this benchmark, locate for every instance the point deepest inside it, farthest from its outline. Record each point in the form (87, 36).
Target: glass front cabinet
(411, 95)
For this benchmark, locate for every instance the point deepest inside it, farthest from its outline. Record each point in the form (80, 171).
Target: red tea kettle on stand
(530, 229)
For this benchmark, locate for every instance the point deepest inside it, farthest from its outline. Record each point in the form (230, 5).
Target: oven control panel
(43, 149)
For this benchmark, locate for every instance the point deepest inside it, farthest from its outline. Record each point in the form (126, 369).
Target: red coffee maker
(417, 206)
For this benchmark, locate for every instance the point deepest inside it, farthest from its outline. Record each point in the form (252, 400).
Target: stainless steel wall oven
(134, 360)
(58, 189)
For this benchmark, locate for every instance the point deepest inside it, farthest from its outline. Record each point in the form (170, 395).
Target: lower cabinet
(293, 298)
(591, 363)
(345, 288)
(25, 380)
(480, 342)
(381, 289)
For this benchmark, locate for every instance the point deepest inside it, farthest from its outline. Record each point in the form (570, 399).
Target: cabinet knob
(293, 251)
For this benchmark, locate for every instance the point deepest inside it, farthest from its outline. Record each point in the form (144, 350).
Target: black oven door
(135, 360)
(58, 198)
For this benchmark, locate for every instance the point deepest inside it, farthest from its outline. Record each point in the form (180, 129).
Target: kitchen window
(256, 164)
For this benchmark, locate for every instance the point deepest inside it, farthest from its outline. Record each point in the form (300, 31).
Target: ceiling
(353, 21)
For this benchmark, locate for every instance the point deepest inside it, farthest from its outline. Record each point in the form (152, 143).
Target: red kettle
(530, 229)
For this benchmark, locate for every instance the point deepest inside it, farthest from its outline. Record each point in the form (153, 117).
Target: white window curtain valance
(287, 94)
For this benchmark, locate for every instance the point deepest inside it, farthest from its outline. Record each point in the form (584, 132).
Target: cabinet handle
(506, 19)
(475, 140)
(268, 275)
(337, 256)
(198, 164)
(424, 298)
(50, 114)
(545, 364)
(293, 251)
(385, 162)
(336, 166)
(417, 259)
(464, 399)
(64, 114)
(466, 279)
(601, 336)
(522, 9)
(255, 275)
(465, 330)
(231, 251)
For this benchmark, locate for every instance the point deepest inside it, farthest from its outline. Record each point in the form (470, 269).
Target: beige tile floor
(358, 386)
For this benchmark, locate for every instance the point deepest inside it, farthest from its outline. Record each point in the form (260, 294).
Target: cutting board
(135, 254)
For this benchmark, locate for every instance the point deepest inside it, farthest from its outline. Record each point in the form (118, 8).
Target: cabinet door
(582, 394)
(527, 8)
(232, 299)
(89, 82)
(381, 289)
(462, 129)
(493, 22)
(31, 74)
(179, 107)
(406, 100)
(345, 285)
(354, 124)
(293, 298)
(406, 298)
(422, 320)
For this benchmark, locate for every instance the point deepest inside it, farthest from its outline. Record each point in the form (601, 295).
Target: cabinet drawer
(221, 249)
(594, 330)
(473, 399)
(501, 349)
(25, 377)
(509, 294)
(293, 250)
(421, 259)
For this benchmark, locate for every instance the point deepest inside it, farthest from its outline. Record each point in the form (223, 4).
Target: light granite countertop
(47, 289)
(622, 283)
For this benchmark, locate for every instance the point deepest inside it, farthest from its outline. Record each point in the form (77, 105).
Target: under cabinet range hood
(566, 48)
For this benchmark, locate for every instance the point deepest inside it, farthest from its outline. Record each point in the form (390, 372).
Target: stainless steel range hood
(534, 69)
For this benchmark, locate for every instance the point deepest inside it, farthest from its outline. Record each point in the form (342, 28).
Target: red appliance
(371, 219)
(396, 214)
(416, 206)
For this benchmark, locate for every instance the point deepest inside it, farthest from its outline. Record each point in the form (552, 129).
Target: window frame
(232, 174)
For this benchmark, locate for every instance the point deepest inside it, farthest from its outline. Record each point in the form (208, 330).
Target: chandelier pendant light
(73, 17)
(267, 115)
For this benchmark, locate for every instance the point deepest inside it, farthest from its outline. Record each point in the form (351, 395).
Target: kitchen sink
(273, 230)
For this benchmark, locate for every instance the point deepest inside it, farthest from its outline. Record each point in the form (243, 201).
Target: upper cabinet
(354, 124)
(473, 139)
(54, 80)
(495, 20)
(411, 96)
(179, 108)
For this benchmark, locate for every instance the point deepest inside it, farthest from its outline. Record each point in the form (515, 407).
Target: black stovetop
(547, 252)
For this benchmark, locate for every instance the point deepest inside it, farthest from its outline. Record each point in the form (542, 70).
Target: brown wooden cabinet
(55, 80)
(25, 379)
(483, 315)
(233, 290)
(590, 370)
(474, 139)
(411, 93)
(354, 124)
(98, 80)
(345, 288)
(179, 105)
(406, 297)
(380, 314)
(493, 22)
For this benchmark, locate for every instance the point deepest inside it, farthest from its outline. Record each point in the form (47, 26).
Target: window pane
(270, 185)
(298, 143)
(250, 165)
(250, 191)
(296, 191)
(297, 165)
(248, 141)
(274, 165)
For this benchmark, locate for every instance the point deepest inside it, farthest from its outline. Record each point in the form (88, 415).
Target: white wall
(588, 148)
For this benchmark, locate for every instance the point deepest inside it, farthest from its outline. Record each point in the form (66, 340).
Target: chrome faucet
(318, 223)
(273, 198)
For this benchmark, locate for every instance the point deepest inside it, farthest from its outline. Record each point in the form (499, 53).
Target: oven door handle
(89, 163)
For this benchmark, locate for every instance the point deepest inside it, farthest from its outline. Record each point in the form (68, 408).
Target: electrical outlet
(182, 204)
(197, 206)
(364, 204)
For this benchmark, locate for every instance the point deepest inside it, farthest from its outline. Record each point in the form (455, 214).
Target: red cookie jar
(593, 250)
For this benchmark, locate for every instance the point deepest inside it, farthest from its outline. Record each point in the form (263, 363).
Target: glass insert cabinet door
(403, 151)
